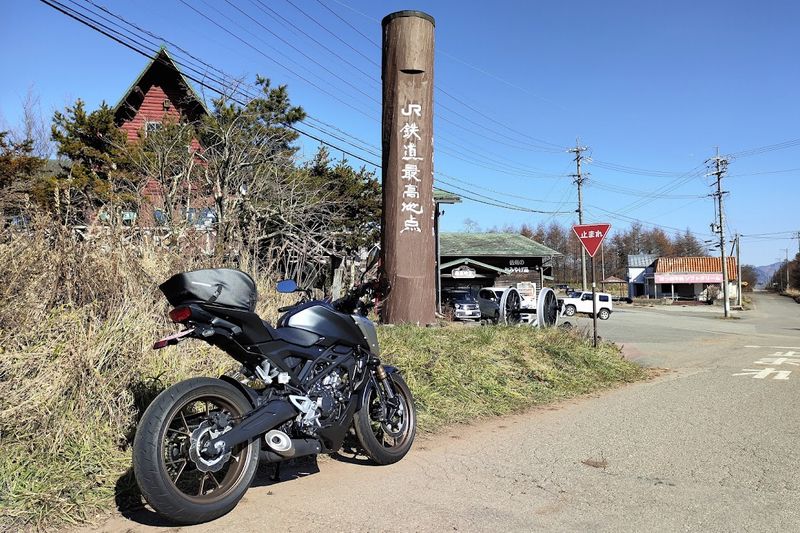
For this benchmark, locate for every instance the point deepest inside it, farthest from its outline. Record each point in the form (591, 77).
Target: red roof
(687, 265)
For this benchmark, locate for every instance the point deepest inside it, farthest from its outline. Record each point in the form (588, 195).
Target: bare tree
(166, 156)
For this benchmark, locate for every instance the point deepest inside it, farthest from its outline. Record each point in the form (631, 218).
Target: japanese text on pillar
(410, 171)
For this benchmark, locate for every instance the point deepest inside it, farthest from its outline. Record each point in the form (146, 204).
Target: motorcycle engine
(331, 395)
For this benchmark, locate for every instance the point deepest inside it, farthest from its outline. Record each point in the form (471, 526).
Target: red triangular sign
(591, 236)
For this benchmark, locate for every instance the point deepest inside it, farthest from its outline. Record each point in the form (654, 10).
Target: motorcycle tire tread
(160, 493)
(376, 451)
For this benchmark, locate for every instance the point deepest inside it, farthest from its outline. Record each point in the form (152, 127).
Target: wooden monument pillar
(408, 241)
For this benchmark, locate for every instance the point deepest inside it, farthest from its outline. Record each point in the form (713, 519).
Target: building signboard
(696, 277)
(463, 272)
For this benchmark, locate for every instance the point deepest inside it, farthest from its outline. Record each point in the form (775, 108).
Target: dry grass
(794, 294)
(76, 370)
(77, 323)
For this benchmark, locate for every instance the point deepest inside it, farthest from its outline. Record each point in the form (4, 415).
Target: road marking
(763, 373)
(776, 347)
(778, 360)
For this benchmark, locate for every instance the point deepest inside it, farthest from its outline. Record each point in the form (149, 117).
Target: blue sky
(653, 86)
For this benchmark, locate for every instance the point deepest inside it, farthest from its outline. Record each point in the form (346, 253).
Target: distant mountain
(765, 273)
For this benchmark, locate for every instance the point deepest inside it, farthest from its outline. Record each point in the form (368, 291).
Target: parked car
(581, 302)
(489, 303)
(462, 303)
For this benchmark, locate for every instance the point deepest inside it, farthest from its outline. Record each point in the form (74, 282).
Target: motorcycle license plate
(175, 338)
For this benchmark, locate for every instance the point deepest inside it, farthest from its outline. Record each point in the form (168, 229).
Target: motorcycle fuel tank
(326, 322)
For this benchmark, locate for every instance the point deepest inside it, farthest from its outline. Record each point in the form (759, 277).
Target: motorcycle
(305, 384)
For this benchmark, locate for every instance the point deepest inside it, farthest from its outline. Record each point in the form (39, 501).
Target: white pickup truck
(581, 302)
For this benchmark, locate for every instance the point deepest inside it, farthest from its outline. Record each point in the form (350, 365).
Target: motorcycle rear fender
(248, 392)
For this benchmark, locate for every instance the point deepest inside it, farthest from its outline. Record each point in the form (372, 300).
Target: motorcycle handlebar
(349, 302)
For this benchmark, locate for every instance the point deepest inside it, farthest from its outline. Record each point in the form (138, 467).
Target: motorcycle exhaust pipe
(282, 447)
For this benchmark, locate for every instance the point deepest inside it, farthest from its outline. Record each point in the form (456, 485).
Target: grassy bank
(76, 370)
(460, 374)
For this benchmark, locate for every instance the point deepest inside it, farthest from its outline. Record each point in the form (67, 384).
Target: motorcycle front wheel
(177, 481)
(386, 427)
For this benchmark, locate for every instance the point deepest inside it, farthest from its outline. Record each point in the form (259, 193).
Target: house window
(128, 218)
(203, 217)
(160, 216)
(150, 127)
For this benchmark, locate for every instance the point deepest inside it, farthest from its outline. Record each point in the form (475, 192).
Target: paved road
(699, 449)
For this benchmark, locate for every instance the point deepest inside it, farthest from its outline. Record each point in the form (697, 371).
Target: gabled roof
(468, 261)
(641, 260)
(691, 265)
(492, 244)
(613, 279)
(162, 57)
(445, 197)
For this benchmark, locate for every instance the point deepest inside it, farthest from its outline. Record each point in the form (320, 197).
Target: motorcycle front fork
(382, 378)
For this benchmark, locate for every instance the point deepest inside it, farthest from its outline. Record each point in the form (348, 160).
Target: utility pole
(579, 179)
(787, 268)
(738, 271)
(720, 166)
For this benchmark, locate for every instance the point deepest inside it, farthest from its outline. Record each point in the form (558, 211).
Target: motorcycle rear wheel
(176, 485)
(386, 436)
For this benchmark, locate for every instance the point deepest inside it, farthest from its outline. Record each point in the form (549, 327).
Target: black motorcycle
(303, 385)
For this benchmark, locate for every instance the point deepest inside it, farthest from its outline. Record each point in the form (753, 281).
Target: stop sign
(591, 236)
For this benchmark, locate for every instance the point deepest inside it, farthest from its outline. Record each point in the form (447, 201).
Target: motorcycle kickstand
(276, 474)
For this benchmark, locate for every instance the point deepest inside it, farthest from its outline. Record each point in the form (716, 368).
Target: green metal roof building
(478, 260)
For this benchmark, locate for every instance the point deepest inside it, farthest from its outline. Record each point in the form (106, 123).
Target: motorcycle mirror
(287, 286)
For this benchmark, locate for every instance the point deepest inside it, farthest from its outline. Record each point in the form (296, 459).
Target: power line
(348, 23)
(642, 194)
(510, 195)
(284, 21)
(443, 118)
(224, 82)
(666, 189)
(315, 21)
(635, 171)
(555, 148)
(296, 49)
(261, 52)
(139, 48)
(764, 149)
(625, 218)
(360, 144)
(792, 232)
(764, 172)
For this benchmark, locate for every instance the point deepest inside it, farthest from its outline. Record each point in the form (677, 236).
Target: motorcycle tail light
(180, 314)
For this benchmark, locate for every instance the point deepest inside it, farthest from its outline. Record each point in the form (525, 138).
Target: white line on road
(781, 347)
(757, 373)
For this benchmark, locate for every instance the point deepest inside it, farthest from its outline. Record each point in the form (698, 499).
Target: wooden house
(162, 93)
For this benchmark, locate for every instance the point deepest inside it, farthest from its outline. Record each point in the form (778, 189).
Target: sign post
(591, 237)
(409, 244)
